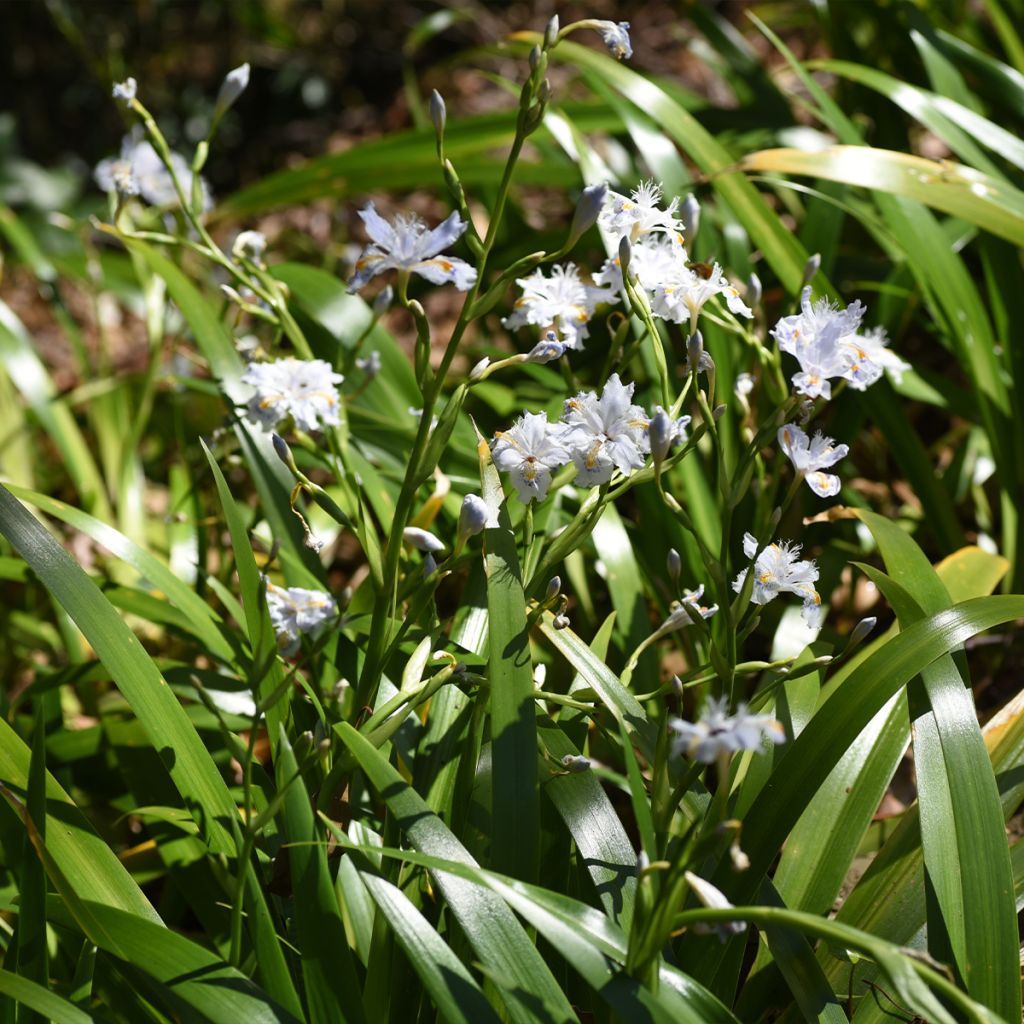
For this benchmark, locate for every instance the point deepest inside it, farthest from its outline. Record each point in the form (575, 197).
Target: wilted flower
(125, 91)
(407, 244)
(305, 389)
(778, 570)
(561, 302)
(140, 163)
(249, 244)
(810, 457)
(683, 611)
(640, 214)
(528, 452)
(370, 365)
(615, 36)
(548, 349)
(815, 337)
(607, 433)
(294, 610)
(717, 732)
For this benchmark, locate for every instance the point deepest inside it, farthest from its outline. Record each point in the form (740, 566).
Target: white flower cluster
(139, 171)
(561, 304)
(825, 342)
(599, 435)
(304, 389)
(717, 732)
(295, 610)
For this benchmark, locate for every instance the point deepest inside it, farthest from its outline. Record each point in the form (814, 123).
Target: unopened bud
(422, 540)
(575, 763)
(773, 522)
(303, 745)
(339, 688)
(754, 291)
(643, 862)
(811, 267)
(660, 431)
(625, 251)
(544, 93)
(382, 301)
(473, 515)
(695, 351)
(551, 32)
(438, 112)
(677, 686)
(691, 218)
(673, 565)
(719, 411)
(478, 371)
(535, 56)
(860, 631)
(235, 83)
(588, 208)
(553, 590)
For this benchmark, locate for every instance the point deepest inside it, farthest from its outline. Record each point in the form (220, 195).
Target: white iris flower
(406, 243)
(305, 389)
(294, 610)
(528, 452)
(562, 303)
(607, 433)
(717, 732)
(682, 295)
(870, 358)
(811, 455)
(779, 570)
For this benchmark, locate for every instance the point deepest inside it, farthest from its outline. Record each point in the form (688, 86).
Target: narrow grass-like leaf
(497, 937)
(171, 733)
(34, 996)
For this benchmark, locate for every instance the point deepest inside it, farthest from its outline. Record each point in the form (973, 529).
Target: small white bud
(473, 515)
(860, 631)
(575, 763)
(673, 565)
(695, 351)
(554, 588)
(660, 431)
(754, 290)
(551, 32)
(811, 267)
(438, 112)
(234, 84)
(422, 540)
(691, 217)
(625, 251)
(588, 208)
(535, 55)
(478, 371)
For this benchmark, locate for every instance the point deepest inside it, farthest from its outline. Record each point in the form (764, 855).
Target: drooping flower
(295, 610)
(810, 456)
(870, 358)
(779, 570)
(607, 433)
(250, 244)
(406, 243)
(815, 336)
(717, 732)
(561, 303)
(640, 214)
(125, 91)
(547, 350)
(528, 452)
(139, 162)
(615, 36)
(682, 612)
(305, 389)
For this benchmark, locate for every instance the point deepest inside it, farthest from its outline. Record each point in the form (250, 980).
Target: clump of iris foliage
(533, 672)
